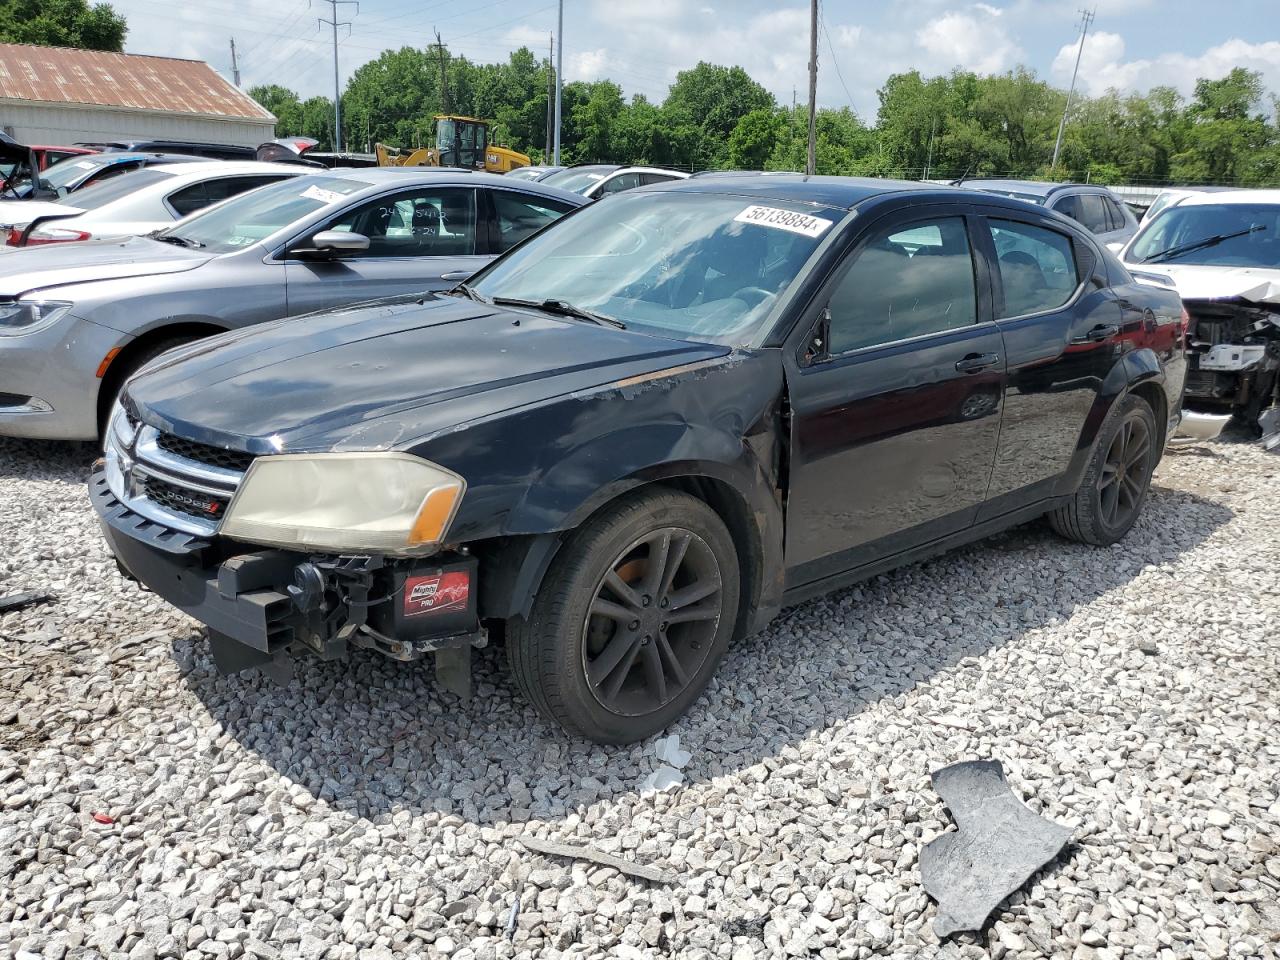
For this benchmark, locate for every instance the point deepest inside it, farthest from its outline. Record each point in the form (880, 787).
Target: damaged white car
(1222, 253)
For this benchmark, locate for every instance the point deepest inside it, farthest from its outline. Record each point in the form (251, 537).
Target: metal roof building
(58, 95)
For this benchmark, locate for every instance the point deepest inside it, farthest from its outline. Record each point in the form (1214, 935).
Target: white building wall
(64, 124)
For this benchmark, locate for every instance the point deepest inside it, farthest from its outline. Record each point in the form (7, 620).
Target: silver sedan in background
(138, 202)
(77, 319)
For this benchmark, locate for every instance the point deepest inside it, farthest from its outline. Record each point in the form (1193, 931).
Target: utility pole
(551, 94)
(235, 67)
(559, 80)
(811, 162)
(1086, 18)
(444, 76)
(334, 22)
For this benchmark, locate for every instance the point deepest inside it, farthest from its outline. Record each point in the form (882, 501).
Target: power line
(835, 62)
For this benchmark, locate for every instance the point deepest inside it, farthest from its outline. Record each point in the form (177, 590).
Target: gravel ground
(1130, 693)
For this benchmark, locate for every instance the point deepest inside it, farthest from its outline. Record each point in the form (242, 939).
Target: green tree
(704, 106)
(1226, 132)
(754, 138)
(392, 99)
(62, 23)
(282, 102)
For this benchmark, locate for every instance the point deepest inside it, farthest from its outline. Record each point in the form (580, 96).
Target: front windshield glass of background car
(64, 173)
(690, 265)
(576, 181)
(1258, 243)
(114, 189)
(250, 217)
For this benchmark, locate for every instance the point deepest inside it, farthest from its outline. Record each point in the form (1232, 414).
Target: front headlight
(345, 503)
(27, 316)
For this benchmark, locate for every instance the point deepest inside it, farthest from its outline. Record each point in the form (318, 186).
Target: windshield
(446, 134)
(114, 189)
(66, 173)
(690, 265)
(1253, 232)
(245, 219)
(578, 181)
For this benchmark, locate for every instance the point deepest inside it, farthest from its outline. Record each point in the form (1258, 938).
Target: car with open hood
(634, 437)
(1221, 251)
(76, 319)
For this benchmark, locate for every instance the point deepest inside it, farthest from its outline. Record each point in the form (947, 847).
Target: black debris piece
(745, 927)
(17, 601)
(999, 846)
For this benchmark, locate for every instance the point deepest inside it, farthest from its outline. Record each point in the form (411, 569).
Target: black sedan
(639, 434)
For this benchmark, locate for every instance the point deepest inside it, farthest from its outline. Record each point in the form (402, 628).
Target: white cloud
(975, 41)
(1103, 66)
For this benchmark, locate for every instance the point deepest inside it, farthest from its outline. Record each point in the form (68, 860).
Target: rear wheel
(1116, 483)
(632, 619)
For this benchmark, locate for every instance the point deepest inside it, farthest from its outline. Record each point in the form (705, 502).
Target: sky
(643, 44)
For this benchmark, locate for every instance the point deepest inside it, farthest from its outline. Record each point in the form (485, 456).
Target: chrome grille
(169, 480)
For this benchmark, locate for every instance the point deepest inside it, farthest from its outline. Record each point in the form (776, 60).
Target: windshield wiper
(177, 241)
(563, 308)
(1162, 255)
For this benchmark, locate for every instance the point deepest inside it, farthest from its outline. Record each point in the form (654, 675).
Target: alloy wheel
(1124, 475)
(652, 621)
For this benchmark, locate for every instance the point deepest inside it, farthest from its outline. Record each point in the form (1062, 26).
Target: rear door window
(623, 181)
(1037, 267)
(521, 215)
(907, 281)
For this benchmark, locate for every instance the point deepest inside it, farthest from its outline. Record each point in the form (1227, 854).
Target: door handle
(1103, 331)
(456, 275)
(977, 361)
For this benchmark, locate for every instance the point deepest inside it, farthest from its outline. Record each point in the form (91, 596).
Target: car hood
(59, 264)
(1199, 282)
(382, 375)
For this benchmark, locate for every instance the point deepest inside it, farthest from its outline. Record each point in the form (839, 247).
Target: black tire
(560, 656)
(1115, 485)
(121, 371)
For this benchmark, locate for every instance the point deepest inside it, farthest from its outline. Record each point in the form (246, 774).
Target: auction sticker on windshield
(321, 194)
(781, 219)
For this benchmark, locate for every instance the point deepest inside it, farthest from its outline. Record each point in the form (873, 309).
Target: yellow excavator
(460, 142)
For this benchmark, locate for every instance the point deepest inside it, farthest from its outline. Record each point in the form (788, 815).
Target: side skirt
(979, 531)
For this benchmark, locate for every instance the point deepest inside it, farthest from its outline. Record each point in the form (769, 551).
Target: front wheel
(1116, 482)
(634, 615)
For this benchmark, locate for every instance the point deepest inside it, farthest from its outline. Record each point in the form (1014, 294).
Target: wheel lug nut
(664, 603)
(663, 626)
(635, 625)
(646, 600)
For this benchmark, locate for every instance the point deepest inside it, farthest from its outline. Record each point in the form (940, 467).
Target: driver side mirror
(335, 243)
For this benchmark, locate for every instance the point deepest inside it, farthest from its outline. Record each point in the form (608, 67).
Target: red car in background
(46, 156)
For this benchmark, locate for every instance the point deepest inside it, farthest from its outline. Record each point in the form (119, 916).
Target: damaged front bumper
(262, 605)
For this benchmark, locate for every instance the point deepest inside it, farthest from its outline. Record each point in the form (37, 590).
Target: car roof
(379, 177)
(840, 192)
(1231, 197)
(107, 159)
(229, 167)
(642, 169)
(1039, 188)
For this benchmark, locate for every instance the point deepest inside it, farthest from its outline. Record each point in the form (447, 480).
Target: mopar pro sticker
(436, 593)
(781, 219)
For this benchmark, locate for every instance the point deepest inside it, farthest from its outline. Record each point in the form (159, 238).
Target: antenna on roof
(963, 177)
